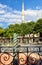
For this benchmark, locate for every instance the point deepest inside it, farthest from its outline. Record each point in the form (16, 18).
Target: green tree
(30, 27)
(23, 27)
(38, 27)
(9, 31)
(17, 28)
(1, 31)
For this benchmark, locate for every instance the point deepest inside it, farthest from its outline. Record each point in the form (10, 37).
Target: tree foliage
(38, 26)
(22, 29)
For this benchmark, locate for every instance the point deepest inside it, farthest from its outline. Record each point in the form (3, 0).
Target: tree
(30, 27)
(23, 27)
(1, 31)
(17, 28)
(9, 31)
(38, 27)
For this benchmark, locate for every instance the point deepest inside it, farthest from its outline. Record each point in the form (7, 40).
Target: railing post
(27, 55)
(18, 57)
(39, 49)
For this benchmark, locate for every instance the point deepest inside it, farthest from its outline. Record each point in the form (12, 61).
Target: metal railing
(10, 56)
(27, 40)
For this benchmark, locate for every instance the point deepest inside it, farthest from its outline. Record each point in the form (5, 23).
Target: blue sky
(10, 11)
(17, 4)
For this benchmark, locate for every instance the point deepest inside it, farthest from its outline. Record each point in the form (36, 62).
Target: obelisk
(23, 12)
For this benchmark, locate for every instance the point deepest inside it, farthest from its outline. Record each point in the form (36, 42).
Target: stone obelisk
(23, 12)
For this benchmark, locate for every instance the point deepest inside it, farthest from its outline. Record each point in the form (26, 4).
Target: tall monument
(23, 12)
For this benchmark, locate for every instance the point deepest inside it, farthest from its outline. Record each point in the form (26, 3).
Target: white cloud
(3, 6)
(2, 11)
(33, 14)
(11, 16)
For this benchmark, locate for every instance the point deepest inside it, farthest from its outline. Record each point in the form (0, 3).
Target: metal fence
(36, 40)
(20, 56)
